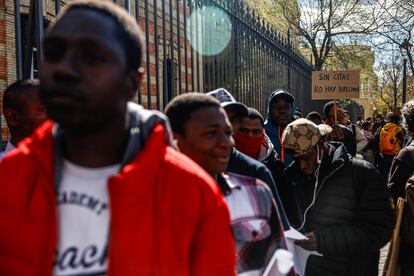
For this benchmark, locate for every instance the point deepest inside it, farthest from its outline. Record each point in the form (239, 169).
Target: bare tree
(324, 23)
(390, 80)
(399, 25)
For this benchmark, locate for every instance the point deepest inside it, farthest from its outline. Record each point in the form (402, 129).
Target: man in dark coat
(340, 133)
(340, 203)
(402, 169)
(252, 140)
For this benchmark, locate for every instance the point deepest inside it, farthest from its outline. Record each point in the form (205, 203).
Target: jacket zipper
(324, 180)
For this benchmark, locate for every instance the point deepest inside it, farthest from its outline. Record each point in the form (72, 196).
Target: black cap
(227, 100)
(281, 94)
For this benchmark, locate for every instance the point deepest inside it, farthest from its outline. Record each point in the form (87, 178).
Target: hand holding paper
(310, 243)
(295, 241)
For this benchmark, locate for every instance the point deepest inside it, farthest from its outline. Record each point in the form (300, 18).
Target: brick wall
(8, 55)
(4, 27)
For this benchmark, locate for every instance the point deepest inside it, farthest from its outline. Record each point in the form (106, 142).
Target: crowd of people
(93, 184)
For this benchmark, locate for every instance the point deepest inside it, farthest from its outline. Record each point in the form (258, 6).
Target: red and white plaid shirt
(255, 220)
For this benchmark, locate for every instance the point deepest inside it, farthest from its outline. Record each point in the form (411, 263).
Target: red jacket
(167, 214)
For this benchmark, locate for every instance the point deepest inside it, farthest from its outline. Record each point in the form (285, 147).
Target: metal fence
(255, 61)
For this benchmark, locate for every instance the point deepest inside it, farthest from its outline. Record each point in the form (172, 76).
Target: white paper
(280, 264)
(294, 234)
(300, 255)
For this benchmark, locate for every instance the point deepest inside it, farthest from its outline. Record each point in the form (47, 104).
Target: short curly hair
(255, 114)
(408, 115)
(179, 110)
(19, 92)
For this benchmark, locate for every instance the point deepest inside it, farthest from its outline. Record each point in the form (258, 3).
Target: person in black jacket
(252, 140)
(340, 203)
(340, 133)
(402, 168)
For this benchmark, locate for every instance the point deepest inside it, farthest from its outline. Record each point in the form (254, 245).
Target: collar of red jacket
(146, 128)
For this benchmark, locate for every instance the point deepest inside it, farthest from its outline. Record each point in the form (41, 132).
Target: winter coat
(272, 131)
(348, 139)
(269, 157)
(167, 215)
(351, 217)
(402, 169)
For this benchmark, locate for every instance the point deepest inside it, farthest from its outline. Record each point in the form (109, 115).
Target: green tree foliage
(271, 11)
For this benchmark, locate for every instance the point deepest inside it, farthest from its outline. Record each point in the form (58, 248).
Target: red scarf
(249, 145)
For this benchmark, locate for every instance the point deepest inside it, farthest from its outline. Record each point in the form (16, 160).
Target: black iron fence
(254, 59)
(257, 61)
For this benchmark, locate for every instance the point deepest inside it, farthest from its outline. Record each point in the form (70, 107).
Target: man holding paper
(340, 203)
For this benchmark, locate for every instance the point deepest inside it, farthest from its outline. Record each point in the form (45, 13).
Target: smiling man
(204, 133)
(341, 204)
(241, 163)
(99, 190)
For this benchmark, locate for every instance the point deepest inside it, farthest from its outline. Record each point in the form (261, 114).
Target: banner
(328, 85)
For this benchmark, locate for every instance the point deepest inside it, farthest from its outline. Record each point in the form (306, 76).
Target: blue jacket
(272, 131)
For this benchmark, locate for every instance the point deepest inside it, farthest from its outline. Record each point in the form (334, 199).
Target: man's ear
(40, 111)
(178, 138)
(11, 117)
(331, 112)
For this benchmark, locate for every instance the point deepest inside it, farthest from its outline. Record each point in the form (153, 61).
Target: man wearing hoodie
(99, 190)
(280, 112)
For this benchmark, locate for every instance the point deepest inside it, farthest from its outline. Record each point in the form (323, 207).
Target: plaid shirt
(254, 219)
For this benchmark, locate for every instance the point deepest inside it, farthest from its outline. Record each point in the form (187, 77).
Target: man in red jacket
(99, 190)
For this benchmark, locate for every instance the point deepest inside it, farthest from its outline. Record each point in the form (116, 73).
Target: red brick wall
(152, 45)
(3, 63)
(8, 59)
